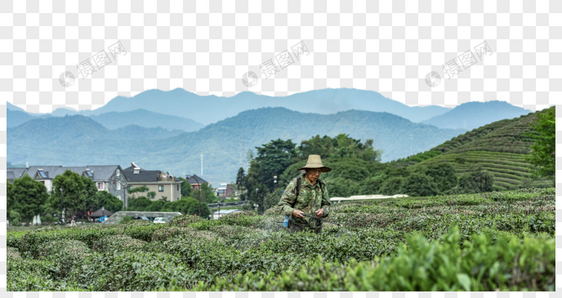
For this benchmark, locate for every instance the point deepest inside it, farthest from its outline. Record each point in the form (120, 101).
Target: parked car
(141, 217)
(159, 220)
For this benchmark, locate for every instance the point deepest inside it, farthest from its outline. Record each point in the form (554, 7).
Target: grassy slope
(499, 147)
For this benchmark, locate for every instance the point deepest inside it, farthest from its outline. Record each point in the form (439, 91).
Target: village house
(109, 178)
(162, 184)
(195, 181)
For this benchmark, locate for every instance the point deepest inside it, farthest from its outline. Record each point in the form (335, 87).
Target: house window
(178, 187)
(117, 173)
(118, 186)
(119, 198)
(100, 185)
(42, 174)
(160, 188)
(129, 188)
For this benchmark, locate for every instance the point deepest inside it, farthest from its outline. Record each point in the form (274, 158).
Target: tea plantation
(479, 242)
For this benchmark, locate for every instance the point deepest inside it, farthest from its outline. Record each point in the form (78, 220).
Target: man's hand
(319, 213)
(298, 214)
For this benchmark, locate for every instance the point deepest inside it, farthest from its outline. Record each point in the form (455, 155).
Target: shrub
(118, 243)
(418, 185)
(392, 186)
(139, 271)
(476, 182)
(372, 185)
(444, 175)
(184, 220)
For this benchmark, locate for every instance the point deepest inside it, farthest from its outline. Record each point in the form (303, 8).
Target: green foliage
(418, 185)
(207, 194)
(272, 199)
(185, 187)
(341, 187)
(240, 180)
(392, 186)
(373, 185)
(126, 220)
(275, 156)
(543, 150)
(420, 265)
(476, 182)
(500, 241)
(444, 175)
(14, 217)
(78, 192)
(26, 198)
(108, 201)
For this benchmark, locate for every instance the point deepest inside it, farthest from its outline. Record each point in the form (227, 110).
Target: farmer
(312, 199)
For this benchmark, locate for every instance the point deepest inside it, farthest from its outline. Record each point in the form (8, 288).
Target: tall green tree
(274, 157)
(240, 180)
(27, 197)
(78, 192)
(322, 146)
(543, 150)
(109, 201)
(185, 188)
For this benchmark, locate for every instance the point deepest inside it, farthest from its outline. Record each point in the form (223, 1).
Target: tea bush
(500, 241)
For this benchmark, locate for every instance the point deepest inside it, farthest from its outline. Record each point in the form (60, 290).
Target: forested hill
(499, 147)
(78, 140)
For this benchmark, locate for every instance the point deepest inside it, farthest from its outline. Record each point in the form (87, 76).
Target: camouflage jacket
(311, 198)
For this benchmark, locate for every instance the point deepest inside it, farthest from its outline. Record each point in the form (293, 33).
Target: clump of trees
(280, 158)
(26, 199)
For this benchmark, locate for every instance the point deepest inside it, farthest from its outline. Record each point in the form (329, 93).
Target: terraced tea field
(482, 242)
(509, 169)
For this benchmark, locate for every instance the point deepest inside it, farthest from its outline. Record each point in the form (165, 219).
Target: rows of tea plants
(479, 242)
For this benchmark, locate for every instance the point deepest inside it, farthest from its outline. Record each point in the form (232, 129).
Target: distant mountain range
(114, 120)
(210, 109)
(74, 140)
(472, 115)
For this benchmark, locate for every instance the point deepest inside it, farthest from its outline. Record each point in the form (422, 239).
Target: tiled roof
(192, 180)
(101, 173)
(143, 175)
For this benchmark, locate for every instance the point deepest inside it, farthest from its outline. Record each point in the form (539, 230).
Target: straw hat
(314, 162)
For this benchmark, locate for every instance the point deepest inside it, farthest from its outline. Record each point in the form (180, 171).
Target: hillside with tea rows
(499, 148)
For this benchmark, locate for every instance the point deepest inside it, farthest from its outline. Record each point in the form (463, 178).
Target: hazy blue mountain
(12, 107)
(61, 112)
(135, 132)
(75, 140)
(113, 120)
(17, 117)
(472, 115)
(210, 109)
